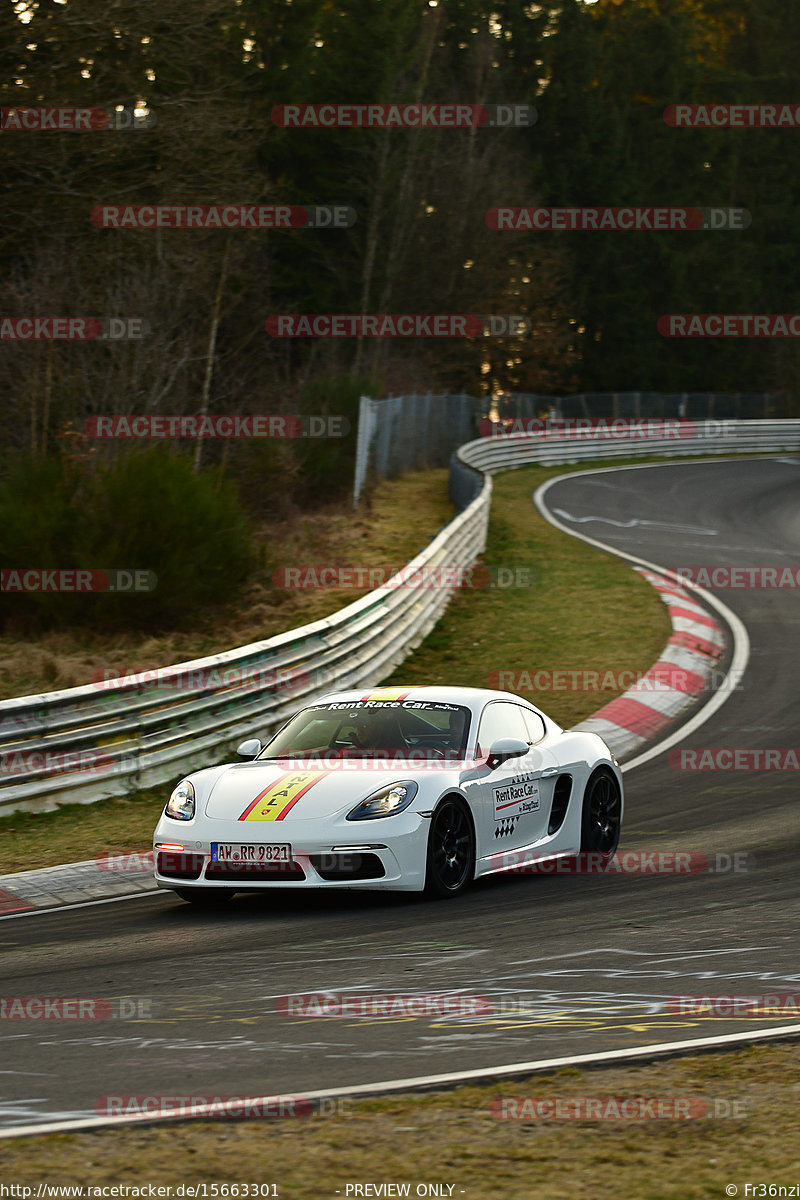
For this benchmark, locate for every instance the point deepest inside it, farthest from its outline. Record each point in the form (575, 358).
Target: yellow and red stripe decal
(388, 694)
(280, 797)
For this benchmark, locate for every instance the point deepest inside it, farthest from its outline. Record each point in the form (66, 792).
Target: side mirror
(505, 748)
(249, 749)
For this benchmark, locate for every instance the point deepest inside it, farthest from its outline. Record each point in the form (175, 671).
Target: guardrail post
(366, 429)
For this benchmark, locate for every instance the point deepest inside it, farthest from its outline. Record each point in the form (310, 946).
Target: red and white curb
(675, 683)
(108, 877)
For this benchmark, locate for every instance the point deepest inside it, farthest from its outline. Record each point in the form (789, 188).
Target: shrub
(146, 510)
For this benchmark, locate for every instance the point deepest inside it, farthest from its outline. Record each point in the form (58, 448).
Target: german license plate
(241, 853)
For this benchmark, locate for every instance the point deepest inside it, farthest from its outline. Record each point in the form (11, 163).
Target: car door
(512, 802)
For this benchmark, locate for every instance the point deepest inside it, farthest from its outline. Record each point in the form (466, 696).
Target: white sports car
(412, 789)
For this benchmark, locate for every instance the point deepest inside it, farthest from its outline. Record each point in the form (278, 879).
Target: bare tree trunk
(48, 393)
(483, 60)
(403, 219)
(376, 210)
(212, 346)
(34, 395)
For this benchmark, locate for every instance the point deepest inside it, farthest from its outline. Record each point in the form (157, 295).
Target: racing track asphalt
(590, 961)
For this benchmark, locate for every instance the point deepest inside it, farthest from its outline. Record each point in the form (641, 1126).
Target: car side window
(500, 719)
(535, 725)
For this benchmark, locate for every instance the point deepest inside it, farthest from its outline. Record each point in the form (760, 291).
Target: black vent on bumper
(347, 866)
(255, 872)
(561, 795)
(179, 866)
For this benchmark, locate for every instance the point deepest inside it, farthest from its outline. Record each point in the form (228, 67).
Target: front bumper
(375, 860)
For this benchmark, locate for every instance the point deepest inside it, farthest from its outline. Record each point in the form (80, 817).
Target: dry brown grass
(452, 1138)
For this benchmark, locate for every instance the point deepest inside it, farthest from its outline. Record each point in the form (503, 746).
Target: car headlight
(386, 802)
(180, 805)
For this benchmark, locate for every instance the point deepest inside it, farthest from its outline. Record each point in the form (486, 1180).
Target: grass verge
(452, 1138)
(584, 611)
(76, 832)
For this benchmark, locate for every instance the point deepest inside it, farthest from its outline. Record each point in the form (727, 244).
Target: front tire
(204, 897)
(601, 819)
(451, 851)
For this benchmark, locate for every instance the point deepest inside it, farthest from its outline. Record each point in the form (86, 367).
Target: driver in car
(378, 731)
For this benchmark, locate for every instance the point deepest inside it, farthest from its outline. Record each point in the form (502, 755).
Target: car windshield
(373, 729)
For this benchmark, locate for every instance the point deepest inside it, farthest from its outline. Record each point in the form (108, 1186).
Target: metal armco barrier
(99, 740)
(630, 439)
(414, 432)
(106, 739)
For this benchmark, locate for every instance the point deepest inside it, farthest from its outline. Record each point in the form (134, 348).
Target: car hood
(264, 792)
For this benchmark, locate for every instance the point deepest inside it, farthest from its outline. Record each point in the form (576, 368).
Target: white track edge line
(741, 641)
(423, 1082)
(69, 907)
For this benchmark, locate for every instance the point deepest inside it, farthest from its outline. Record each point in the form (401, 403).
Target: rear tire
(450, 862)
(205, 897)
(601, 818)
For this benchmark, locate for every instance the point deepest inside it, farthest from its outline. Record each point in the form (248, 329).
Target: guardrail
(413, 432)
(99, 740)
(600, 440)
(86, 743)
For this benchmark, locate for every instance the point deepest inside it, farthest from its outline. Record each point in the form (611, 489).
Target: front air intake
(241, 872)
(179, 866)
(341, 867)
